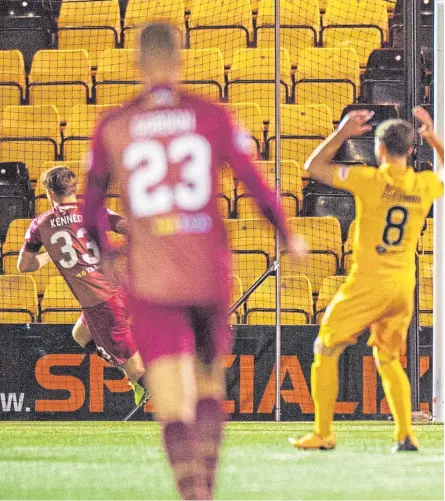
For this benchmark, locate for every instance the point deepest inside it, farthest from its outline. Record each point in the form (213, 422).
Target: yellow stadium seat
(328, 76)
(347, 256)
(117, 78)
(236, 291)
(296, 302)
(250, 265)
(29, 134)
(426, 301)
(329, 288)
(59, 306)
(426, 242)
(61, 78)
(426, 266)
(140, 12)
(94, 26)
(42, 204)
(12, 78)
(299, 26)
(252, 79)
(115, 204)
(323, 239)
(202, 72)
(250, 234)
(302, 130)
(249, 117)
(353, 13)
(225, 25)
(18, 299)
(80, 127)
(15, 238)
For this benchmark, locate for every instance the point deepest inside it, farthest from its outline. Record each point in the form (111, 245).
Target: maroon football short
(161, 330)
(110, 329)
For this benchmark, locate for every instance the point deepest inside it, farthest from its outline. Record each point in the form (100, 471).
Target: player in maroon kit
(166, 148)
(103, 326)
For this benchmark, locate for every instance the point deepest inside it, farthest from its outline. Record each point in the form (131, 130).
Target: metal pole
(412, 21)
(278, 193)
(439, 218)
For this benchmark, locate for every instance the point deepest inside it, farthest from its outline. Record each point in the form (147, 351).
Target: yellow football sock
(324, 380)
(398, 393)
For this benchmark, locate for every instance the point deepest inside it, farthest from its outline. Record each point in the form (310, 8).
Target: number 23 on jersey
(148, 162)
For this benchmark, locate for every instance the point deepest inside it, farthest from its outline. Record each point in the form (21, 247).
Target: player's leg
(82, 335)
(213, 340)
(167, 345)
(388, 339)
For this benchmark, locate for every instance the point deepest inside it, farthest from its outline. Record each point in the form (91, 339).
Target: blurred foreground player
(166, 149)
(392, 203)
(103, 325)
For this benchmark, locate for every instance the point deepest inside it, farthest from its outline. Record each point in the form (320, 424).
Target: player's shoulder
(42, 218)
(114, 115)
(364, 172)
(209, 108)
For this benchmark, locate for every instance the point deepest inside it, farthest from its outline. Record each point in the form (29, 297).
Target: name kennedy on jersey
(394, 194)
(64, 220)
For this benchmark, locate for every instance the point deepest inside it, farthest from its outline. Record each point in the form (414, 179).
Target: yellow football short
(384, 304)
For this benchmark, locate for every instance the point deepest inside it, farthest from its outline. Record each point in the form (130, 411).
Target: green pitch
(125, 461)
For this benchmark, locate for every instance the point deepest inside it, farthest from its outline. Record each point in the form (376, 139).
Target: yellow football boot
(313, 442)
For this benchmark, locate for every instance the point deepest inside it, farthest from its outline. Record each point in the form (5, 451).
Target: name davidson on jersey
(163, 123)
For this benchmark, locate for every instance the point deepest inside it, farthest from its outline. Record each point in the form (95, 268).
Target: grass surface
(86, 460)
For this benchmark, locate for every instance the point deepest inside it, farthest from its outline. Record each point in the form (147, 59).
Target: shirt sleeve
(97, 182)
(33, 240)
(110, 219)
(353, 179)
(236, 151)
(434, 182)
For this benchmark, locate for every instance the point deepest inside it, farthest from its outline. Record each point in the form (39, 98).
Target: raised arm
(427, 131)
(319, 164)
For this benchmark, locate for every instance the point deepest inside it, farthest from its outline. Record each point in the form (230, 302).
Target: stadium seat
(94, 26)
(226, 26)
(249, 265)
(42, 204)
(117, 78)
(347, 254)
(202, 72)
(12, 78)
(381, 112)
(59, 306)
(328, 76)
(302, 130)
(114, 202)
(291, 190)
(26, 34)
(29, 134)
(61, 78)
(323, 239)
(296, 302)
(236, 291)
(382, 89)
(250, 234)
(426, 266)
(299, 26)
(382, 62)
(18, 299)
(362, 26)
(15, 238)
(248, 116)
(329, 287)
(80, 127)
(140, 12)
(426, 301)
(357, 150)
(252, 79)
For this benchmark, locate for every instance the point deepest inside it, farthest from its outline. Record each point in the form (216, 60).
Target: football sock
(324, 380)
(181, 448)
(398, 393)
(91, 347)
(209, 426)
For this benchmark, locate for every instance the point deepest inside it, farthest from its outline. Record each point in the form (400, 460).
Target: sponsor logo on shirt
(175, 224)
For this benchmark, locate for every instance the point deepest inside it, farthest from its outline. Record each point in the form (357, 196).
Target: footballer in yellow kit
(392, 202)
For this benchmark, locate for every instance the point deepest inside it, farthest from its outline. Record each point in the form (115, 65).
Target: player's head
(60, 184)
(159, 54)
(394, 139)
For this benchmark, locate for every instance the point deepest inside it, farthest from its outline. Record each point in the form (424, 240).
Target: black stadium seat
(381, 112)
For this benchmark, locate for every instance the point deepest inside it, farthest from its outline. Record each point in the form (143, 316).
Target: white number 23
(149, 161)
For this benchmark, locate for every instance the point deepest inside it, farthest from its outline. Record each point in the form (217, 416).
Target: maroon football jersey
(165, 150)
(76, 255)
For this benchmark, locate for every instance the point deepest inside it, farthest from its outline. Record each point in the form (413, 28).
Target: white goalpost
(439, 223)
